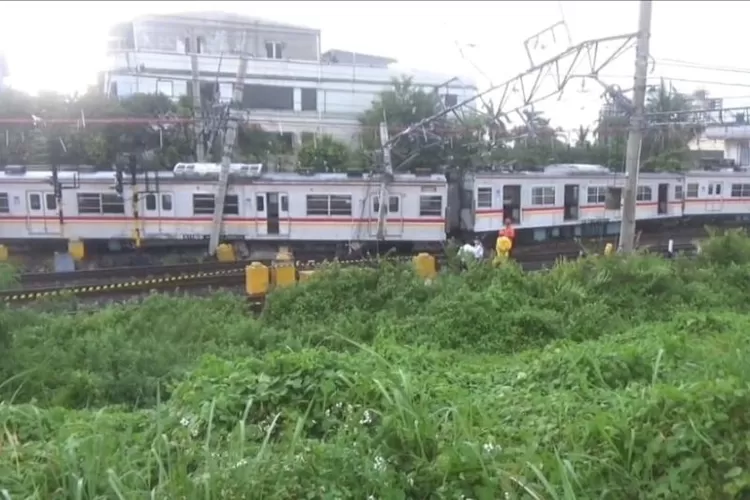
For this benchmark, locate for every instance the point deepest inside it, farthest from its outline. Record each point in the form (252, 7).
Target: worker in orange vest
(507, 231)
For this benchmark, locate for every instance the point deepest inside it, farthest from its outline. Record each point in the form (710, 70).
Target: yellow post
(424, 265)
(284, 273)
(77, 250)
(609, 249)
(225, 253)
(4, 253)
(256, 279)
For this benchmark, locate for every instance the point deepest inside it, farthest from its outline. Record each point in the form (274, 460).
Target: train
(341, 209)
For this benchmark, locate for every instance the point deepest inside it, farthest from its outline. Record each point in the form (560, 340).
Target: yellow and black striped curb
(161, 282)
(27, 295)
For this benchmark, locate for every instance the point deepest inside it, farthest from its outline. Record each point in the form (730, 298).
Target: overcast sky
(60, 45)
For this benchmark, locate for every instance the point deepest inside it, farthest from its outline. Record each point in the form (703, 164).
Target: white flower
(366, 418)
(379, 464)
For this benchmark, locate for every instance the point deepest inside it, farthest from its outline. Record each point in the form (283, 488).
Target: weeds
(613, 378)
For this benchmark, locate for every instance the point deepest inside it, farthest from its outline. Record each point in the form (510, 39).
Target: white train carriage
(576, 196)
(258, 206)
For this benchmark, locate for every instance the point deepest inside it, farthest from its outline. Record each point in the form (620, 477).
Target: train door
(512, 203)
(662, 201)
(41, 213)
(395, 222)
(272, 212)
(158, 213)
(394, 216)
(571, 202)
(714, 197)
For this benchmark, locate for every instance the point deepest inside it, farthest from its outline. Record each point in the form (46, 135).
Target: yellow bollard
(256, 279)
(225, 253)
(609, 249)
(77, 250)
(4, 253)
(284, 273)
(424, 265)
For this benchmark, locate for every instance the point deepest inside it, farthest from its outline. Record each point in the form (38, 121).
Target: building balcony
(738, 131)
(225, 68)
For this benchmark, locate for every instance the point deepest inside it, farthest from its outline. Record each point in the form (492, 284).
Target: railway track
(214, 274)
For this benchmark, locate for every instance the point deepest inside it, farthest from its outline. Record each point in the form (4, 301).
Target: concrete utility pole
(386, 176)
(200, 151)
(635, 135)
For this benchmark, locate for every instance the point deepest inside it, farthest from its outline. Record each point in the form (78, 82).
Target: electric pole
(385, 178)
(200, 150)
(635, 134)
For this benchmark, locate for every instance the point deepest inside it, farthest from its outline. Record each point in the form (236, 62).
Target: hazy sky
(60, 45)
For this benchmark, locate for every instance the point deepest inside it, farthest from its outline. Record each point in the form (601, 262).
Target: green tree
(324, 154)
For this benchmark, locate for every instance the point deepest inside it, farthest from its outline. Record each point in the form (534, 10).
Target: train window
(393, 204)
(112, 204)
(484, 197)
(718, 189)
(35, 201)
(341, 205)
(317, 204)
(710, 189)
(543, 196)
(596, 194)
(166, 202)
(89, 203)
(151, 202)
(260, 201)
(692, 190)
(678, 192)
(431, 206)
(231, 205)
(740, 191)
(51, 201)
(643, 193)
(203, 204)
(284, 203)
(4, 204)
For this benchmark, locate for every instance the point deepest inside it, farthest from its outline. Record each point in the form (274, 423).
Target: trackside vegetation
(608, 378)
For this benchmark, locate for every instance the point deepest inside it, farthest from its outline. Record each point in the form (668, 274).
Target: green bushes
(613, 378)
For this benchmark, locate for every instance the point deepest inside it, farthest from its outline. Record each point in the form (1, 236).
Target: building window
(95, 203)
(393, 204)
(643, 193)
(740, 191)
(543, 196)
(596, 194)
(451, 100)
(484, 197)
(431, 206)
(335, 205)
(4, 203)
(268, 97)
(165, 87)
(692, 190)
(309, 99)
(678, 192)
(274, 50)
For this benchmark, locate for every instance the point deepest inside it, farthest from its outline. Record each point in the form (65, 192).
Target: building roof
(222, 17)
(336, 56)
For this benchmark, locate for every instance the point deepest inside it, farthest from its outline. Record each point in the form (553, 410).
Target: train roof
(86, 173)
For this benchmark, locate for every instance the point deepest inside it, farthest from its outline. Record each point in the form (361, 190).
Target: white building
(290, 85)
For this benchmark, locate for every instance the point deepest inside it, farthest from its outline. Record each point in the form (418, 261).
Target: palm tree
(582, 137)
